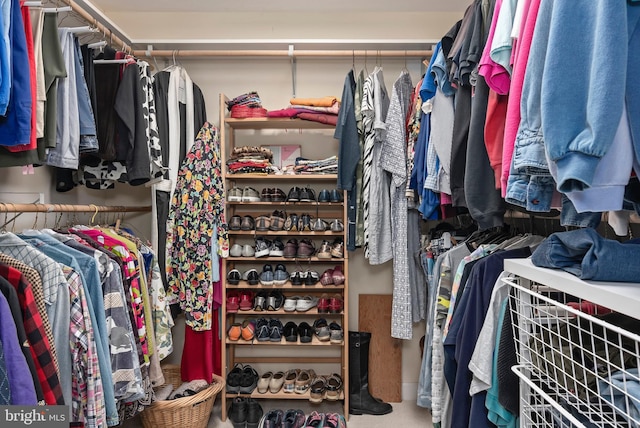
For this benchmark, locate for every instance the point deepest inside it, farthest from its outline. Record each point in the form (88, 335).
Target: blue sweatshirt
(583, 85)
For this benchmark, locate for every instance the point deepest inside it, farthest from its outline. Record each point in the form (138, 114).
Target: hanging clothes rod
(112, 38)
(187, 53)
(63, 208)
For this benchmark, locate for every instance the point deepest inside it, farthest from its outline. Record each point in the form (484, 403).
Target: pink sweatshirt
(521, 57)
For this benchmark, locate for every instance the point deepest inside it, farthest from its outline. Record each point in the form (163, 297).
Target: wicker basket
(192, 412)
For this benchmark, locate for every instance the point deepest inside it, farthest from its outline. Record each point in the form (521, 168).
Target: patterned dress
(196, 212)
(394, 160)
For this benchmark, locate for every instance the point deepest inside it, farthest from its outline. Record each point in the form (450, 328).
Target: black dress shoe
(294, 195)
(307, 195)
(290, 332)
(305, 331)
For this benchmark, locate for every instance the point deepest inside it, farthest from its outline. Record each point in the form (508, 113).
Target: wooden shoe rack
(317, 142)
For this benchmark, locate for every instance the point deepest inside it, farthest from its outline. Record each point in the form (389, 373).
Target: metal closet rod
(195, 53)
(62, 208)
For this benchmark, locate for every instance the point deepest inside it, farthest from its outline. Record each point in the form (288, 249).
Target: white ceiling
(281, 5)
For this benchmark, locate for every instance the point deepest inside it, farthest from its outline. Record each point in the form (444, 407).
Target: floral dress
(196, 216)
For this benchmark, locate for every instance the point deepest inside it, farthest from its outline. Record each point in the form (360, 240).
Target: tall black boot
(360, 400)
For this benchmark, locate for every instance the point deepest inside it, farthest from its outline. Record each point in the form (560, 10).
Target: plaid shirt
(86, 383)
(33, 277)
(39, 344)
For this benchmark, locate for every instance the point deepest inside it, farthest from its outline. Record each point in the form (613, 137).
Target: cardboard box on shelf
(284, 155)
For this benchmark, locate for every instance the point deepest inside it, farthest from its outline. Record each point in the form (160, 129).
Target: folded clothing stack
(323, 110)
(250, 159)
(322, 166)
(246, 105)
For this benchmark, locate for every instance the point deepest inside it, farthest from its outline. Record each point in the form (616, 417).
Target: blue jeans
(88, 139)
(588, 255)
(571, 217)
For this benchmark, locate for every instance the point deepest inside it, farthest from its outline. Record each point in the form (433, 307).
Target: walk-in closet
(326, 215)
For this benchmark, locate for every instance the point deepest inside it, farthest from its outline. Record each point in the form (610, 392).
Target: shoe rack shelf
(284, 233)
(282, 342)
(290, 177)
(278, 395)
(283, 259)
(313, 311)
(292, 204)
(288, 286)
(242, 351)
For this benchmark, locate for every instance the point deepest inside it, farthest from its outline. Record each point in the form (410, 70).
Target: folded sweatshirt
(318, 102)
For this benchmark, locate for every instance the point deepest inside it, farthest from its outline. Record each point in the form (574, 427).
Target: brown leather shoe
(305, 249)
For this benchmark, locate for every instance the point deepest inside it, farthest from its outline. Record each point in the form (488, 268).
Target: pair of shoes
(271, 301)
(303, 249)
(269, 330)
(271, 382)
(277, 220)
(240, 379)
(328, 332)
(249, 194)
(308, 277)
(238, 250)
(270, 277)
(291, 332)
(242, 223)
(299, 304)
(279, 419)
(332, 276)
(272, 195)
(331, 305)
(334, 196)
(244, 330)
(301, 194)
(245, 412)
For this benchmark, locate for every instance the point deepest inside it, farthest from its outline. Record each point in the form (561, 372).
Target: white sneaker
(290, 303)
(305, 303)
